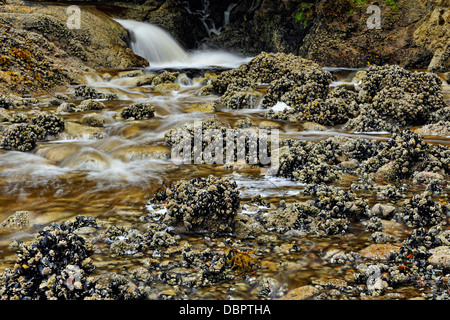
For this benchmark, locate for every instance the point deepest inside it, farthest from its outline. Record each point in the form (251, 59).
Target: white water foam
(163, 51)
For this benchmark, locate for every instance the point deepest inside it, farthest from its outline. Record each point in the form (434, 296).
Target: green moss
(357, 4)
(392, 4)
(303, 14)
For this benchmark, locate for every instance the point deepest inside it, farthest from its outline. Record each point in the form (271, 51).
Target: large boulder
(40, 54)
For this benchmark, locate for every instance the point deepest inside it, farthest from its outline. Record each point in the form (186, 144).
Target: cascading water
(162, 50)
(152, 42)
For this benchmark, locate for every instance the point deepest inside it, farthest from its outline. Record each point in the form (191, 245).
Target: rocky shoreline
(368, 219)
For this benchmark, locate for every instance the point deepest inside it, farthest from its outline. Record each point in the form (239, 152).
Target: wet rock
(201, 204)
(383, 211)
(440, 257)
(167, 87)
(350, 164)
(433, 34)
(267, 125)
(90, 105)
(51, 124)
(4, 116)
(441, 128)
(301, 293)
(442, 114)
(369, 121)
(145, 80)
(330, 283)
(75, 130)
(247, 227)
(131, 74)
(396, 159)
(134, 152)
(85, 92)
(422, 211)
(403, 96)
(312, 126)
(17, 221)
(21, 137)
(425, 177)
(379, 251)
(165, 77)
(66, 107)
(57, 153)
(203, 107)
(54, 266)
(93, 120)
(137, 111)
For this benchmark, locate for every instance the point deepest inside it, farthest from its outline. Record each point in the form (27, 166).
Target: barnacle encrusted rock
(268, 67)
(93, 120)
(17, 221)
(138, 111)
(131, 241)
(54, 266)
(398, 157)
(203, 204)
(211, 141)
(21, 137)
(422, 211)
(90, 104)
(85, 92)
(309, 162)
(290, 78)
(329, 213)
(369, 120)
(51, 124)
(401, 95)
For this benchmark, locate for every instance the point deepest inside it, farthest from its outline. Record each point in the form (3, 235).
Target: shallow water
(104, 178)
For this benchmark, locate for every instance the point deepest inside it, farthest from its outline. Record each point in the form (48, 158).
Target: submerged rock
(93, 120)
(18, 221)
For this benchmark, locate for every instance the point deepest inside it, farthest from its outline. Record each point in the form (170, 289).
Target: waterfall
(153, 43)
(162, 50)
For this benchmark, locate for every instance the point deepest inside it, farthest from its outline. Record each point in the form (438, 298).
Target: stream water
(112, 178)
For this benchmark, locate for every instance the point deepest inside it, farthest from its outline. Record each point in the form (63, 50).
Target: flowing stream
(106, 177)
